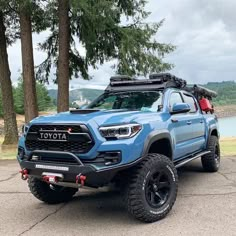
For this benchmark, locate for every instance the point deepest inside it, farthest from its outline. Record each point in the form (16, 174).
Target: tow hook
(80, 179)
(24, 174)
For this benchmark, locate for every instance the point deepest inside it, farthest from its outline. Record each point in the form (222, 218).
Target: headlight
(120, 131)
(24, 130)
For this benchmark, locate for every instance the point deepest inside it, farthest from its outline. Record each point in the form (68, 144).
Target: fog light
(111, 158)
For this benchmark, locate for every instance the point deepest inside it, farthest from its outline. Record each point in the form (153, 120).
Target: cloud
(204, 34)
(203, 31)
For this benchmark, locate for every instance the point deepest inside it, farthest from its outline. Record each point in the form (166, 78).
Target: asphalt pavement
(206, 205)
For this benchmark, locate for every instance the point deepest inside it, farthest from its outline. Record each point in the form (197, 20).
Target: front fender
(155, 136)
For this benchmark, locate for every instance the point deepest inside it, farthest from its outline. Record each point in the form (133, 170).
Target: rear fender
(213, 130)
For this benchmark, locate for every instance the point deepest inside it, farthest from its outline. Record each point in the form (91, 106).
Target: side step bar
(188, 159)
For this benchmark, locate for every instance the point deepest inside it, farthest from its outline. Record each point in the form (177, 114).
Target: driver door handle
(189, 122)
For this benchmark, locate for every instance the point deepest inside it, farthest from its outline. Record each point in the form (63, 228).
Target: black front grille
(74, 144)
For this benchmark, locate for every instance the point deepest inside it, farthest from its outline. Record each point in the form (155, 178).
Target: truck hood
(100, 117)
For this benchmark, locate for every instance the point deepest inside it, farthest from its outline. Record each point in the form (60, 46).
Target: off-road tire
(50, 194)
(138, 194)
(211, 161)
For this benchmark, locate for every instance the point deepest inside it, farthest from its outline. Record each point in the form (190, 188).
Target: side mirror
(180, 108)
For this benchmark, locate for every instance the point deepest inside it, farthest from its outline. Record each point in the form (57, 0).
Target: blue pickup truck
(136, 135)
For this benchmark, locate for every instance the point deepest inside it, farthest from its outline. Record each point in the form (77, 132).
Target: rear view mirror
(180, 108)
(83, 106)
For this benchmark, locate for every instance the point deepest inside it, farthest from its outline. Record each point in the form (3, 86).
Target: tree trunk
(10, 125)
(63, 60)
(30, 97)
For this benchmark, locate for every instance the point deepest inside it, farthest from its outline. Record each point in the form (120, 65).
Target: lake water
(227, 126)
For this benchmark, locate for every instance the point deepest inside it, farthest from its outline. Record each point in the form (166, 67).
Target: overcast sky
(204, 32)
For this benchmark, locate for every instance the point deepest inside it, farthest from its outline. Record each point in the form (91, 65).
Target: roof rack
(155, 82)
(200, 92)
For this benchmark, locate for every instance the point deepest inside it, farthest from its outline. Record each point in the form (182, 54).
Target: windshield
(143, 101)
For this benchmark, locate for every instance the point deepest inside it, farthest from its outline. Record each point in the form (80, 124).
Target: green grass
(7, 152)
(7, 155)
(228, 148)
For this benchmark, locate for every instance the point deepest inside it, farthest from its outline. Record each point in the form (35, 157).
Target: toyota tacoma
(136, 134)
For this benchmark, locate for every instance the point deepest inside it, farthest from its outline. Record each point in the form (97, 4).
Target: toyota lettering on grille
(52, 136)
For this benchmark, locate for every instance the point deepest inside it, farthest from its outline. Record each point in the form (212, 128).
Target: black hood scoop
(83, 111)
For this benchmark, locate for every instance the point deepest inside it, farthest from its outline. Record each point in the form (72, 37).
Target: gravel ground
(206, 205)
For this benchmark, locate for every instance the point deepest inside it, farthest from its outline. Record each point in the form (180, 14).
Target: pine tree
(44, 102)
(30, 99)
(63, 57)
(99, 28)
(10, 125)
(12, 12)
(28, 17)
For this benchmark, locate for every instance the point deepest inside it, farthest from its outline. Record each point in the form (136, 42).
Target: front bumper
(94, 177)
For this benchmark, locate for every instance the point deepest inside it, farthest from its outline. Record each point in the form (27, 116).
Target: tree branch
(13, 9)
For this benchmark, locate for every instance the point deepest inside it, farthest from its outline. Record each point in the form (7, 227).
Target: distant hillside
(78, 94)
(226, 93)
